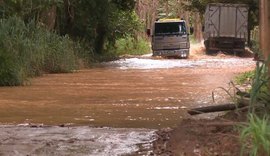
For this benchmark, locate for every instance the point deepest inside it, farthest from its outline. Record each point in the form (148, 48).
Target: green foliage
(96, 25)
(60, 55)
(246, 77)
(255, 47)
(99, 22)
(193, 40)
(25, 9)
(132, 46)
(124, 46)
(255, 42)
(259, 80)
(260, 88)
(256, 136)
(27, 51)
(125, 4)
(173, 8)
(124, 25)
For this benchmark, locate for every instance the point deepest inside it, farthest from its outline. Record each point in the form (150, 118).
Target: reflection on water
(148, 93)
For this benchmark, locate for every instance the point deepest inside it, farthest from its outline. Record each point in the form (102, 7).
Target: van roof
(227, 5)
(169, 20)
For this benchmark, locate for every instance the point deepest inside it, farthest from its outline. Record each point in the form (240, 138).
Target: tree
(147, 12)
(98, 22)
(178, 9)
(26, 9)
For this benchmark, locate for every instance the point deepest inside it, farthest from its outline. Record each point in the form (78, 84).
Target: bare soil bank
(216, 137)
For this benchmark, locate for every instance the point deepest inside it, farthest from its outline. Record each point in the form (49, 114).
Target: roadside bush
(60, 56)
(27, 50)
(260, 92)
(85, 53)
(256, 136)
(124, 46)
(259, 81)
(246, 77)
(132, 46)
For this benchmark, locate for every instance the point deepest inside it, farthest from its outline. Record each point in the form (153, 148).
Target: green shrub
(60, 56)
(256, 136)
(259, 92)
(124, 46)
(12, 71)
(246, 77)
(132, 46)
(27, 50)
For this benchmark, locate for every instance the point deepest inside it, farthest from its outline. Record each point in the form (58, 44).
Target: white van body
(226, 27)
(170, 38)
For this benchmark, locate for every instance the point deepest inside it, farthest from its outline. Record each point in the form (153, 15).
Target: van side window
(182, 28)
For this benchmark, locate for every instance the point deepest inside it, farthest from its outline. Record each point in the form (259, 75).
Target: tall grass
(132, 46)
(245, 77)
(27, 50)
(124, 46)
(256, 136)
(260, 92)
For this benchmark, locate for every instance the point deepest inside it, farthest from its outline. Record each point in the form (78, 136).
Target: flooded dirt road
(142, 92)
(135, 92)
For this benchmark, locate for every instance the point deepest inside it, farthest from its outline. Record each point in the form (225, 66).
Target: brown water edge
(151, 98)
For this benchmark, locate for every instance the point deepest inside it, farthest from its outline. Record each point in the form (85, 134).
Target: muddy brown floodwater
(140, 92)
(126, 93)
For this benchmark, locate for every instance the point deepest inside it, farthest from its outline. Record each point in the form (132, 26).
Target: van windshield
(170, 28)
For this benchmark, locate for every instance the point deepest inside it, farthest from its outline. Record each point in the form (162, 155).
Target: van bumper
(177, 53)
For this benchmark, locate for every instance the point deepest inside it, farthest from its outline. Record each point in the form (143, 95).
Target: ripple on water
(143, 63)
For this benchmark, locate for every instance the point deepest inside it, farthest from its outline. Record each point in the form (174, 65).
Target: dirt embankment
(218, 137)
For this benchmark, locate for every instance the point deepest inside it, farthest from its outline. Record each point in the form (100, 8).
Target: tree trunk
(69, 16)
(198, 27)
(48, 18)
(186, 17)
(167, 7)
(147, 12)
(100, 38)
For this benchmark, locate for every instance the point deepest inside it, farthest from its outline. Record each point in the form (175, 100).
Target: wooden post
(264, 27)
(262, 24)
(265, 30)
(267, 38)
